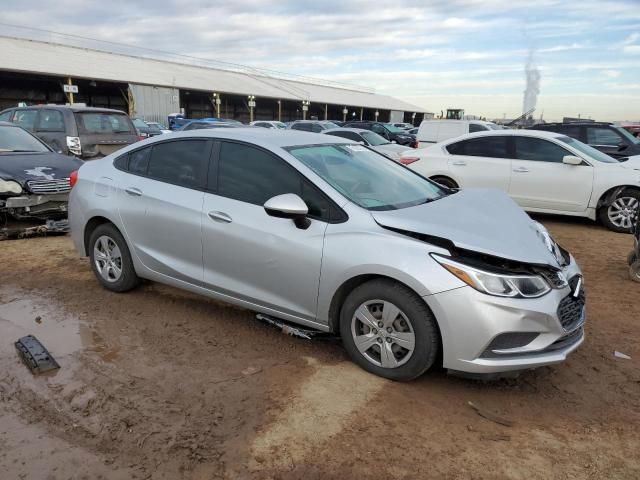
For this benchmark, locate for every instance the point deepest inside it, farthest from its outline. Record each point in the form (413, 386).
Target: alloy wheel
(383, 333)
(622, 212)
(107, 258)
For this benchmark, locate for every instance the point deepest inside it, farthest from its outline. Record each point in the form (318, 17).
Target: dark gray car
(84, 132)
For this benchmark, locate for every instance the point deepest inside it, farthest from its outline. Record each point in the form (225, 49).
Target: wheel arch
(609, 195)
(91, 225)
(352, 283)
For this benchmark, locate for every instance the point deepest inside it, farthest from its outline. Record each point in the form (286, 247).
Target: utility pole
(252, 104)
(70, 92)
(279, 110)
(305, 108)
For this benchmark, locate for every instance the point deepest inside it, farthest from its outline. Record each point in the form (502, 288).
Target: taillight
(73, 178)
(408, 160)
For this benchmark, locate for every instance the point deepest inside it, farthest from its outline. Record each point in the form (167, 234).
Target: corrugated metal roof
(22, 55)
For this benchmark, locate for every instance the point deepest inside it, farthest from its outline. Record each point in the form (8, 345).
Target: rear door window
(6, 116)
(96, 123)
(50, 121)
(180, 162)
(25, 118)
(490, 146)
(139, 161)
(537, 149)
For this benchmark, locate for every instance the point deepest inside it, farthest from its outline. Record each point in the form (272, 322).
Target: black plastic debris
(294, 330)
(35, 355)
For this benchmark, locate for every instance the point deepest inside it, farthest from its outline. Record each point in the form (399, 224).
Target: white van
(434, 131)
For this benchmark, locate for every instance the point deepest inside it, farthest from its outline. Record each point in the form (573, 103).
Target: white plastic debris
(618, 354)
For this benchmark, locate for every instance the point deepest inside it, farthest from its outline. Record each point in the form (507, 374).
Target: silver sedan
(323, 232)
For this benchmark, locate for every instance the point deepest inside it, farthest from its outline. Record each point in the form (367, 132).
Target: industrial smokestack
(532, 74)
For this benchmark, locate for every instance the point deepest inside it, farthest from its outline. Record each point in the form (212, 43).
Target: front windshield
(587, 150)
(279, 125)
(367, 178)
(139, 123)
(374, 139)
(627, 135)
(15, 139)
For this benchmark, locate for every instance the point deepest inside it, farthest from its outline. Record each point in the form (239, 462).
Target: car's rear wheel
(111, 260)
(388, 330)
(634, 271)
(445, 182)
(619, 215)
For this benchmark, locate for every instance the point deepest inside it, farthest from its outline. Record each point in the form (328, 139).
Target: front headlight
(523, 286)
(9, 186)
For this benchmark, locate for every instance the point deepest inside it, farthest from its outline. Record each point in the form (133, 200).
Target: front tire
(111, 260)
(619, 215)
(388, 330)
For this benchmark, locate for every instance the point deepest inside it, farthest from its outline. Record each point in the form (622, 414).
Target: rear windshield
(104, 123)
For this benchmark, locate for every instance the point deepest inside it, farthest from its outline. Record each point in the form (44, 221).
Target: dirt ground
(161, 384)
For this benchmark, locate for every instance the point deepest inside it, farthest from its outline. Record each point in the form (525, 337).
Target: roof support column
(361, 112)
(69, 82)
(279, 110)
(252, 104)
(326, 111)
(344, 114)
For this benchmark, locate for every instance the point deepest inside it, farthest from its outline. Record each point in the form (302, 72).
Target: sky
(437, 54)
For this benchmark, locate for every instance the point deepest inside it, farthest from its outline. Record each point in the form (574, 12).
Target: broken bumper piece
(35, 355)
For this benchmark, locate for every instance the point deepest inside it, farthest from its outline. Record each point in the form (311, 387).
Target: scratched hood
(25, 166)
(480, 220)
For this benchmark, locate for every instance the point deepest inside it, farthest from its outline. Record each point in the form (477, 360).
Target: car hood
(23, 167)
(632, 163)
(479, 220)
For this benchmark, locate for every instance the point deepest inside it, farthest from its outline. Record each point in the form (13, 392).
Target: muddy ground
(160, 384)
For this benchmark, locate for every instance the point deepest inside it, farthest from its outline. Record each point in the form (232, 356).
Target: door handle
(460, 163)
(521, 170)
(220, 217)
(136, 192)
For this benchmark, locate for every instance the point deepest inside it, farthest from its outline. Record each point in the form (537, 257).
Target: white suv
(544, 172)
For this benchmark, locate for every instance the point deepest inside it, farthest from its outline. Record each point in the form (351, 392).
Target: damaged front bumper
(36, 206)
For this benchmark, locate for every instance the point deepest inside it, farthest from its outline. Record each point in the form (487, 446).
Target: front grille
(571, 308)
(49, 186)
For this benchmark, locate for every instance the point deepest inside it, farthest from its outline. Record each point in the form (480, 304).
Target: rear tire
(445, 182)
(634, 271)
(111, 260)
(388, 330)
(619, 215)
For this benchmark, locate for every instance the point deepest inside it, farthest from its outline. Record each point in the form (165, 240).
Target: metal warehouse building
(151, 85)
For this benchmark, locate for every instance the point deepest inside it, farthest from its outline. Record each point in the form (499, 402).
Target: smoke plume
(532, 74)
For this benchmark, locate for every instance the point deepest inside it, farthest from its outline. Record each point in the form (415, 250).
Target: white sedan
(370, 139)
(543, 172)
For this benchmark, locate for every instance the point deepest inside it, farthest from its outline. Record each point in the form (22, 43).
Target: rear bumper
(472, 325)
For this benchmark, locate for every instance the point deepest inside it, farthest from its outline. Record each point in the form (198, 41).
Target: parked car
(404, 126)
(315, 126)
(330, 235)
(370, 139)
(159, 126)
(146, 129)
(413, 131)
(34, 180)
(84, 132)
(434, 131)
(339, 123)
(542, 171)
(269, 124)
(391, 133)
(633, 129)
(202, 124)
(606, 137)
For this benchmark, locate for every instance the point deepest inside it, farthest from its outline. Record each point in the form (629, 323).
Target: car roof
(347, 129)
(8, 124)
(564, 124)
(521, 133)
(73, 108)
(262, 136)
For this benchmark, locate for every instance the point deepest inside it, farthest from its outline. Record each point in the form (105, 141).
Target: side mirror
(622, 146)
(289, 205)
(571, 160)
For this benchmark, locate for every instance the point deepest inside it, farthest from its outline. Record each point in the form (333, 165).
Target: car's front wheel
(388, 330)
(619, 215)
(111, 260)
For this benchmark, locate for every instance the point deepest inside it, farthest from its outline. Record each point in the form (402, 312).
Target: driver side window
(537, 149)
